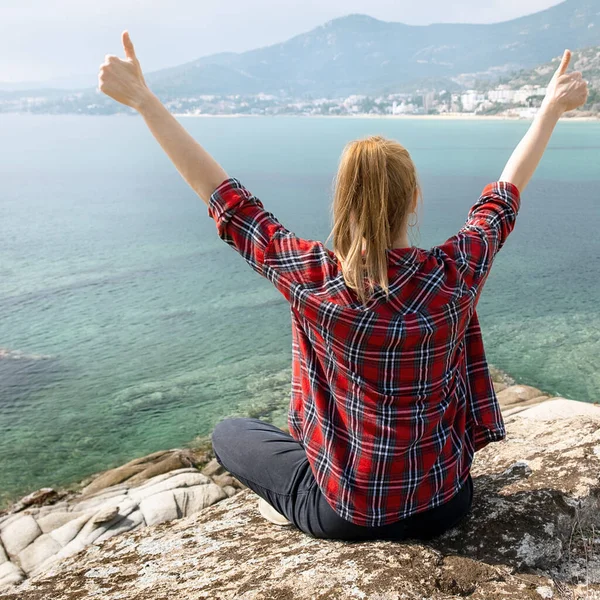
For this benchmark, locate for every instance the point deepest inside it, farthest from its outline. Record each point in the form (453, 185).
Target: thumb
(564, 63)
(128, 46)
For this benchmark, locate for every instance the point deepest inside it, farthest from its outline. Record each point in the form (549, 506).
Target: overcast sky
(46, 39)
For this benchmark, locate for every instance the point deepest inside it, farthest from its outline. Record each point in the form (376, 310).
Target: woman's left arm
(122, 79)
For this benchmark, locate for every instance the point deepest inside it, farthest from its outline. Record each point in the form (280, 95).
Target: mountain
(58, 83)
(360, 54)
(586, 60)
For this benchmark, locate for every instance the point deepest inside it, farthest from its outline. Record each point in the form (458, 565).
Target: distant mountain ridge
(586, 60)
(361, 54)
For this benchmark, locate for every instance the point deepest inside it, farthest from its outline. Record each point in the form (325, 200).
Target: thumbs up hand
(566, 91)
(122, 79)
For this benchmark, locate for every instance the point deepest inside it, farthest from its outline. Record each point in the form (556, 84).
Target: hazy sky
(44, 39)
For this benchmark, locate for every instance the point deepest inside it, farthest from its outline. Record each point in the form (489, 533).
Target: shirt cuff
(226, 196)
(506, 191)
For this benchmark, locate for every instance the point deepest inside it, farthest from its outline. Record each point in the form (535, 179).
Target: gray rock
(105, 514)
(558, 408)
(520, 468)
(63, 505)
(98, 503)
(96, 530)
(523, 533)
(159, 508)
(54, 520)
(38, 497)
(19, 533)
(10, 574)
(230, 490)
(92, 530)
(8, 519)
(164, 476)
(194, 499)
(106, 494)
(521, 406)
(213, 468)
(128, 523)
(38, 552)
(515, 394)
(170, 483)
(69, 531)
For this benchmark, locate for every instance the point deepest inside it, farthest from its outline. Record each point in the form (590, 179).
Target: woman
(391, 392)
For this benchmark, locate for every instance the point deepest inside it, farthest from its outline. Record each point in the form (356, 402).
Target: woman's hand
(122, 79)
(566, 91)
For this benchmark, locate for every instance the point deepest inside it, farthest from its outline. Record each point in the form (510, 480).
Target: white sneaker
(269, 513)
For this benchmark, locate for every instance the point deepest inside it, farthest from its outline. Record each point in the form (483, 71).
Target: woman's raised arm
(122, 79)
(566, 91)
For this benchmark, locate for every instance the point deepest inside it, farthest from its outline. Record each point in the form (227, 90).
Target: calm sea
(152, 328)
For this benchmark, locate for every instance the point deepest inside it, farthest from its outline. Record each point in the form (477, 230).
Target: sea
(127, 326)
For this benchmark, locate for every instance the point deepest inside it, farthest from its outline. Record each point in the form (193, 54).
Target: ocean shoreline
(439, 117)
(199, 443)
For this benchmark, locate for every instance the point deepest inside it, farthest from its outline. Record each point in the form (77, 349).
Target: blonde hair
(374, 190)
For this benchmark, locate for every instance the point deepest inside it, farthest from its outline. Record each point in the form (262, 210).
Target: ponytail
(374, 187)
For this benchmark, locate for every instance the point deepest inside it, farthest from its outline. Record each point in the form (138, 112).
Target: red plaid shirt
(391, 399)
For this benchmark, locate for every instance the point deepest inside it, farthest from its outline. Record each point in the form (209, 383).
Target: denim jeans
(274, 465)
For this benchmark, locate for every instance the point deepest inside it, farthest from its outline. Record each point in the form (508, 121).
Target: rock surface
(532, 533)
(35, 535)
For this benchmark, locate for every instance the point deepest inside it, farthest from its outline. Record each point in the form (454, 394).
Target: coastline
(439, 117)
(202, 444)
(156, 502)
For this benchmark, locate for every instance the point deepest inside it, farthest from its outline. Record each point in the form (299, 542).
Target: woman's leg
(274, 465)
(268, 461)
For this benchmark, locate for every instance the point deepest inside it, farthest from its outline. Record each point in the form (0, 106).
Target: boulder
(96, 504)
(230, 490)
(132, 521)
(51, 521)
(10, 574)
(194, 499)
(105, 515)
(37, 498)
(499, 386)
(18, 533)
(515, 394)
(557, 408)
(142, 469)
(529, 535)
(213, 468)
(38, 552)
(225, 479)
(69, 531)
(518, 407)
(171, 483)
(159, 508)
(42, 536)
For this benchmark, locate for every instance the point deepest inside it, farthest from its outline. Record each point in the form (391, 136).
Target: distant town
(522, 102)
(503, 100)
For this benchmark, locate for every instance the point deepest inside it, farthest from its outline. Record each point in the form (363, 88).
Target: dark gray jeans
(274, 465)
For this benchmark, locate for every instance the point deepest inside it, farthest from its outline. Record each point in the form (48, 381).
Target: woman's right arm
(565, 92)
(492, 217)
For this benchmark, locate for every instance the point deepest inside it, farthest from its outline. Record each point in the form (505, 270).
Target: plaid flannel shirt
(391, 399)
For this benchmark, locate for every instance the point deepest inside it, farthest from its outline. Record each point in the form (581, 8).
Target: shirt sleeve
(489, 222)
(265, 244)
(484, 423)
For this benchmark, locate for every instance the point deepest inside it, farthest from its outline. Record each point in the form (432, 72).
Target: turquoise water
(154, 328)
